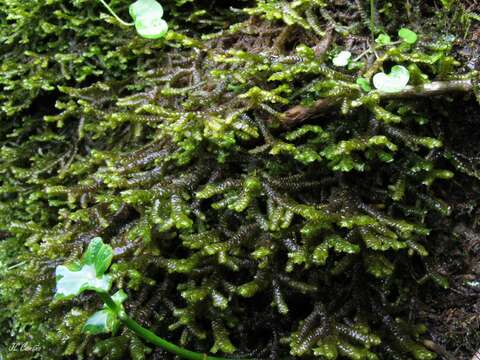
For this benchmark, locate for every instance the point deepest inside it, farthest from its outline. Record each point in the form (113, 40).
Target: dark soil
(453, 315)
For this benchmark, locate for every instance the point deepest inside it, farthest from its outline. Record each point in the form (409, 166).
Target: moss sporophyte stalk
(257, 180)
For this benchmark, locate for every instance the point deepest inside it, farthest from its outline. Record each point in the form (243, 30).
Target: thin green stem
(107, 299)
(152, 338)
(115, 15)
(372, 18)
(164, 344)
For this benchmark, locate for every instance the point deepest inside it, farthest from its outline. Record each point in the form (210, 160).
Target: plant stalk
(372, 18)
(152, 338)
(115, 15)
(298, 114)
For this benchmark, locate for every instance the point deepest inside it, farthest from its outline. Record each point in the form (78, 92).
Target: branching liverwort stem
(152, 338)
(115, 15)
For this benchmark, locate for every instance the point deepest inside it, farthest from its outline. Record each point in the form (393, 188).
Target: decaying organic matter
(260, 203)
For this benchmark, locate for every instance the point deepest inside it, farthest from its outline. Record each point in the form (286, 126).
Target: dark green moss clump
(260, 202)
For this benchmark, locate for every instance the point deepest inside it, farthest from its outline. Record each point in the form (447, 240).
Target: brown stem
(440, 350)
(299, 113)
(432, 89)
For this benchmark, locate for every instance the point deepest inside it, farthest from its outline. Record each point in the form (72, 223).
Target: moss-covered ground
(261, 202)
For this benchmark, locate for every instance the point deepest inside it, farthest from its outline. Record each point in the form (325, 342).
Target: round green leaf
(396, 81)
(407, 35)
(151, 27)
(147, 15)
(145, 7)
(342, 58)
(364, 84)
(383, 39)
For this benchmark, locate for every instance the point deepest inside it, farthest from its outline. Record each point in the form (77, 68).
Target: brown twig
(4, 235)
(432, 89)
(299, 113)
(321, 48)
(440, 350)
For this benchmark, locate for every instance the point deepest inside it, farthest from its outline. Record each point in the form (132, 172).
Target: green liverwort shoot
(342, 58)
(396, 81)
(447, 4)
(407, 35)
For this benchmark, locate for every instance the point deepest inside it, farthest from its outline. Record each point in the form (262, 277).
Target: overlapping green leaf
(86, 274)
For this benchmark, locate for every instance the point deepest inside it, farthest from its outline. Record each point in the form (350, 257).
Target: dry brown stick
(299, 113)
(440, 350)
(432, 89)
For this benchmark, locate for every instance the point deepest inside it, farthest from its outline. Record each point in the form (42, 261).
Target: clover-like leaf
(407, 35)
(144, 7)
(106, 320)
(147, 16)
(383, 39)
(151, 27)
(342, 58)
(103, 321)
(71, 283)
(86, 274)
(99, 255)
(364, 84)
(396, 81)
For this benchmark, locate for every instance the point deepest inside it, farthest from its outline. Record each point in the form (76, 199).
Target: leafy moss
(228, 216)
